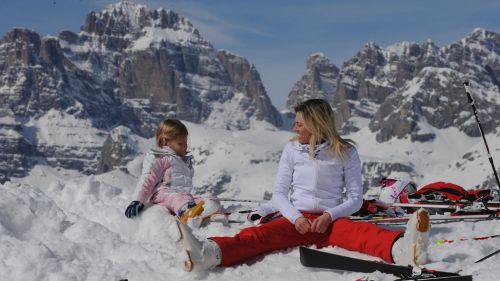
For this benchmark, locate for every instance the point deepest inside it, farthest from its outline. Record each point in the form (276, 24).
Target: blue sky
(278, 36)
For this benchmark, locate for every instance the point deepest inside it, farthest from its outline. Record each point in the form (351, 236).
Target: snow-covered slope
(57, 224)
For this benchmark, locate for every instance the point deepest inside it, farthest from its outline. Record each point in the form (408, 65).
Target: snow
(7, 117)
(155, 35)
(58, 224)
(399, 49)
(62, 129)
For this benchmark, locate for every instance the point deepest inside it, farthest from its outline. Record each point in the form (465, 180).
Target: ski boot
(411, 249)
(200, 256)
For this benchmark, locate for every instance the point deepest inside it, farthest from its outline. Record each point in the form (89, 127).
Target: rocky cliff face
(120, 146)
(36, 80)
(157, 65)
(401, 88)
(319, 81)
(245, 79)
(127, 66)
(16, 151)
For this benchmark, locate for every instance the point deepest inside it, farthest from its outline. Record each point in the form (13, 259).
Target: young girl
(167, 176)
(314, 170)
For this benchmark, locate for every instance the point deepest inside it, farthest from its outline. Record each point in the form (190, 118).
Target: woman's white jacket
(317, 185)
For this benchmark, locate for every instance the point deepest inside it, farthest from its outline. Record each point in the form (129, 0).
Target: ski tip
(301, 251)
(303, 260)
(446, 278)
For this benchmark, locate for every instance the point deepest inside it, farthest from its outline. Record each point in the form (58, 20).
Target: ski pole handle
(467, 91)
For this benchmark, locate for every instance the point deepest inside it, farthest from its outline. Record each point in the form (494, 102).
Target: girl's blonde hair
(170, 129)
(320, 122)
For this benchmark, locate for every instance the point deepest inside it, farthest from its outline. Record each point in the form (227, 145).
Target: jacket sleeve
(353, 185)
(153, 170)
(282, 186)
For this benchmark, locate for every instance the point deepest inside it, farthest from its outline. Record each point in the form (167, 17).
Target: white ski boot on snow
(200, 256)
(411, 249)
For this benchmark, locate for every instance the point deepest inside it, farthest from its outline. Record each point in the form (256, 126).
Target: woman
(315, 168)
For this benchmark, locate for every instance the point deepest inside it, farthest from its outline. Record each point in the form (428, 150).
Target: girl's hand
(321, 223)
(134, 209)
(302, 225)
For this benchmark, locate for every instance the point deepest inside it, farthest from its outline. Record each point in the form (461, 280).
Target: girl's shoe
(192, 212)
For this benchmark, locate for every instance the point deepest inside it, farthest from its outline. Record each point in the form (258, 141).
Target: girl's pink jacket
(166, 172)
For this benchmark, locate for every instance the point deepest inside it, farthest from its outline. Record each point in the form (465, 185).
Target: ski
(478, 238)
(435, 218)
(455, 206)
(320, 259)
(446, 278)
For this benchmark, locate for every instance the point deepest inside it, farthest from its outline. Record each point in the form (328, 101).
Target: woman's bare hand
(303, 225)
(321, 224)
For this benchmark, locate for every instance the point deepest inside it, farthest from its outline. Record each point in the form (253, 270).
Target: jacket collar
(167, 151)
(317, 148)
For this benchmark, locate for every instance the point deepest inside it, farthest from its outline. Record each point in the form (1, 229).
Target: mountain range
(83, 101)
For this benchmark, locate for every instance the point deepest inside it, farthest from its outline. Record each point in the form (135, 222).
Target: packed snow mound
(58, 225)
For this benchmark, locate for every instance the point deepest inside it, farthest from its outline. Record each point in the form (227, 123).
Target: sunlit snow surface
(60, 225)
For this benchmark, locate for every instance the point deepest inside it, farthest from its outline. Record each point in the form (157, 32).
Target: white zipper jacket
(316, 185)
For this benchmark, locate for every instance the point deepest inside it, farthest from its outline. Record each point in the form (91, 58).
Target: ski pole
(443, 241)
(471, 102)
(227, 213)
(488, 256)
(241, 200)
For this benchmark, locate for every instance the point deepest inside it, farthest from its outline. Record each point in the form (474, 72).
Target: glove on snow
(134, 209)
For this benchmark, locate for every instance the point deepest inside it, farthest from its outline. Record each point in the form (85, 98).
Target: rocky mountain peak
(419, 80)
(412, 50)
(317, 59)
(319, 81)
(20, 45)
(370, 56)
(133, 21)
(481, 34)
(116, 20)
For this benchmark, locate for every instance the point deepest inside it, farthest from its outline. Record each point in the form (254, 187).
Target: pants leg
(281, 234)
(173, 201)
(275, 235)
(363, 237)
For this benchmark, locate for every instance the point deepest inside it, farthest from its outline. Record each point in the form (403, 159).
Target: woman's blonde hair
(319, 120)
(170, 129)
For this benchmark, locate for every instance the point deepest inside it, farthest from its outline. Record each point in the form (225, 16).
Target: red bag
(449, 191)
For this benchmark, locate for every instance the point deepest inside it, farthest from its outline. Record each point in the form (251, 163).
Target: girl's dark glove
(134, 209)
